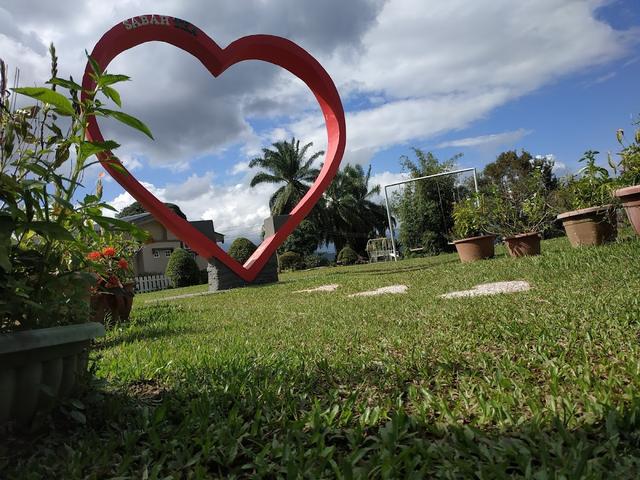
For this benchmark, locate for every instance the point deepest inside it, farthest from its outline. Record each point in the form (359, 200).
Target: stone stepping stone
(392, 289)
(491, 289)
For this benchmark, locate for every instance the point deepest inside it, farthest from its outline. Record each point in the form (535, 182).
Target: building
(153, 257)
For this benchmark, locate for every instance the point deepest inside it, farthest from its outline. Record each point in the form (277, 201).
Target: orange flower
(95, 256)
(108, 251)
(123, 264)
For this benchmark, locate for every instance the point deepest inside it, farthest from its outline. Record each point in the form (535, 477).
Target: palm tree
(350, 216)
(285, 163)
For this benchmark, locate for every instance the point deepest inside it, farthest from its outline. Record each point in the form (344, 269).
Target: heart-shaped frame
(268, 48)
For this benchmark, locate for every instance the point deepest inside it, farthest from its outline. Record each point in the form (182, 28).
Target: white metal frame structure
(386, 197)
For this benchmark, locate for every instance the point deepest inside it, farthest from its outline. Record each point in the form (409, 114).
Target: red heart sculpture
(268, 48)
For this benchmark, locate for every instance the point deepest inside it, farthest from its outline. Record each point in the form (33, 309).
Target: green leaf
(110, 79)
(78, 416)
(113, 94)
(91, 148)
(127, 120)
(71, 85)
(60, 102)
(94, 65)
(50, 230)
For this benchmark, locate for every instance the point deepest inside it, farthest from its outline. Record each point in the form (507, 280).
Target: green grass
(263, 382)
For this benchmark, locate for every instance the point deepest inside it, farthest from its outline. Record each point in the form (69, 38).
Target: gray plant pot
(37, 367)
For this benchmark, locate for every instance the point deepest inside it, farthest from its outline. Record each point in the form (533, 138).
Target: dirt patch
(149, 391)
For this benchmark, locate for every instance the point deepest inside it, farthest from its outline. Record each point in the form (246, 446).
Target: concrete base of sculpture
(222, 277)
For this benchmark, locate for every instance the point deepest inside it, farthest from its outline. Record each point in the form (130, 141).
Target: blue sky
(555, 77)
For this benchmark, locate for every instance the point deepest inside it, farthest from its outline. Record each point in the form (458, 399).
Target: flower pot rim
(627, 191)
(522, 235)
(47, 337)
(471, 239)
(586, 211)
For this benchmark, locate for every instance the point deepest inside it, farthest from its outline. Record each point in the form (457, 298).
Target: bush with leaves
(592, 187)
(523, 210)
(182, 269)
(470, 217)
(315, 261)
(347, 256)
(47, 226)
(241, 249)
(629, 164)
(290, 261)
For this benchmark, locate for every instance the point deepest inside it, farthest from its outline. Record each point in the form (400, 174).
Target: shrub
(314, 261)
(593, 187)
(470, 217)
(347, 256)
(524, 210)
(290, 261)
(182, 269)
(241, 249)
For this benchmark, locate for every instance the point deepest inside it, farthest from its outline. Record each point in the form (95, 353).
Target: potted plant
(114, 287)
(46, 224)
(520, 214)
(592, 220)
(470, 229)
(629, 179)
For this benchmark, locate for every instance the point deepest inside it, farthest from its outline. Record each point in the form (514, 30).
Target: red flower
(108, 251)
(123, 264)
(113, 282)
(95, 256)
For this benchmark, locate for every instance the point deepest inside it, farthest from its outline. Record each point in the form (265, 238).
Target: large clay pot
(39, 366)
(590, 226)
(117, 302)
(523, 245)
(630, 197)
(475, 248)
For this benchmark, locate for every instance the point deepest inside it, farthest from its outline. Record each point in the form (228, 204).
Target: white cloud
(492, 140)
(385, 178)
(240, 167)
(426, 66)
(132, 163)
(236, 210)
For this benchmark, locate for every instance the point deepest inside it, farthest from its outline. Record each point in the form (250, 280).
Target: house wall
(145, 262)
(157, 231)
(151, 264)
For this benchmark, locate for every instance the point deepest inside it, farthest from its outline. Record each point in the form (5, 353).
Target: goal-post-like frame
(411, 180)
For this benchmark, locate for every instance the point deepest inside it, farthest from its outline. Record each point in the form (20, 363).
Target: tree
(510, 169)
(425, 208)
(286, 164)
(304, 240)
(347, 213)
(136, 207)
(182, 269)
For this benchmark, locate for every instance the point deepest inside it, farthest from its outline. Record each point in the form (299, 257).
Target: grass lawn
(265, 382)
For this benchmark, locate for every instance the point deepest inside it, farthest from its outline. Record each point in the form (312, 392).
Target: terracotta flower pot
(117, 302)
(475, 248)
(39, 366)
(523, 245)
(630, 197)
(590, 226)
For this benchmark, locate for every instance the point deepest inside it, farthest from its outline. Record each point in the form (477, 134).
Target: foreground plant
(47, 224)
